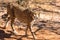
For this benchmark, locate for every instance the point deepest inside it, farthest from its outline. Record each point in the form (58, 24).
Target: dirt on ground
(43, 30)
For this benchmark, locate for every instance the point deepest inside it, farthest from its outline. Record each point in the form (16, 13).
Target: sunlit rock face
(6, 1)
(58, 2)
(50, 16)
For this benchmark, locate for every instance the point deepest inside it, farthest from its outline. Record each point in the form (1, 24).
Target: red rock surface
(48, 31)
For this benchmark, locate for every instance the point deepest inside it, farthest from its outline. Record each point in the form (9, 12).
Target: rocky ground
(44, 30)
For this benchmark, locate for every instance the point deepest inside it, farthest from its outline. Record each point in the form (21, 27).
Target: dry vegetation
(46, 27)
